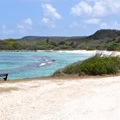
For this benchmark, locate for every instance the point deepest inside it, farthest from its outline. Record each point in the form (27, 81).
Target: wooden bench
(4, 76)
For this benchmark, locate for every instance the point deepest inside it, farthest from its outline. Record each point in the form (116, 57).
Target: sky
(19, 18)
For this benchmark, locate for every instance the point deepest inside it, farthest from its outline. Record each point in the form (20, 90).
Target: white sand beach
(95, 98)
(104, 52)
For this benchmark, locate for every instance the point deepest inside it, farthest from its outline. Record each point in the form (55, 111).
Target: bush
(98, 66)
(93, 66)
(57, 73)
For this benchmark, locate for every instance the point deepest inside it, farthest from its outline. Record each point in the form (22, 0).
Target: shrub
(57, 73)
(93, 66)
(98, 66)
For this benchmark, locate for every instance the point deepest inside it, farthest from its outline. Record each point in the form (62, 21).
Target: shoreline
(69, 51)
(62, 78)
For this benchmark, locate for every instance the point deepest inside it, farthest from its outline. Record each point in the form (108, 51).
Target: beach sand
(94, 98)
(104, 52)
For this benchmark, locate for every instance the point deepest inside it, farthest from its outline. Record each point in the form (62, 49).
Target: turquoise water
(21, 65)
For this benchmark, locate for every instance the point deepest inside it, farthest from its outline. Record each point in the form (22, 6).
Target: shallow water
(21, 65)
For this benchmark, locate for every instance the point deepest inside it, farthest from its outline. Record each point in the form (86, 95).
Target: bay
(20, 65)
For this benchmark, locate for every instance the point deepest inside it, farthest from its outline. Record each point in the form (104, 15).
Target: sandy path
(85, 99)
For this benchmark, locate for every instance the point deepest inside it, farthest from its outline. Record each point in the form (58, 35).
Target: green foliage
(69, 69)
(53, 43)
(97, 66)
(112, 46)
(105, 33)
(93, 66)
(62, 43)
(47, 40)
(57, 73)
(101, 40)
(118, 47)
(90, 48)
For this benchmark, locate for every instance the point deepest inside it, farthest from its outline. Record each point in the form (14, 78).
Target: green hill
(105, 34)
(104, 39)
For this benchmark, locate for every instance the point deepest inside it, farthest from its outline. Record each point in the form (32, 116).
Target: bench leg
(5, 78)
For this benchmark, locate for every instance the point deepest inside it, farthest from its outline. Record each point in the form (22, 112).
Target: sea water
(21, 65)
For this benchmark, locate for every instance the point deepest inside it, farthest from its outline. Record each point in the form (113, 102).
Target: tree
(47, 40)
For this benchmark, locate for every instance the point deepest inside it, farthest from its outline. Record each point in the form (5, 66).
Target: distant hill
(100, 34)
(32, 38)
(105, 33)
(104, 39)
(37, 38)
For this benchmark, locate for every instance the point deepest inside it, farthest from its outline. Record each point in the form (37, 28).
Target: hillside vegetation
(101, 40)
(93, 66)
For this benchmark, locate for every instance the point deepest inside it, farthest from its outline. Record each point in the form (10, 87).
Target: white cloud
(80, 8)
(77, 25)
(96, 8)
(92, 21)
(20, 28)
(5, 30)
(25, 25)
(48, 23)
(99, 9)
(95, 12)
(28, 21)
(104, 26)
(113, 5)
(50, 15)
(50, 12)
(111, 25)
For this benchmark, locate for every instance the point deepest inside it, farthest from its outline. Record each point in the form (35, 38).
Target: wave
(40, 62)
(47, 61)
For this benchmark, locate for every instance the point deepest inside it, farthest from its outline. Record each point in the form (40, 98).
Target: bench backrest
(4, 76)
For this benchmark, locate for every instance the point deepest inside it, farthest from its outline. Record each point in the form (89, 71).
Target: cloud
(50, 12)
(99, 9)
(111, 25)
(96, 8)
(25, 25)
(93, 21)
(95, 12)
(80, 8)
(77, 25)
(50, 15)
(48, 23)
(5, 30)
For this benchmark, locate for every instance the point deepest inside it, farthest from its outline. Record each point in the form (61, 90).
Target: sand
(93, 52)
(59, 99)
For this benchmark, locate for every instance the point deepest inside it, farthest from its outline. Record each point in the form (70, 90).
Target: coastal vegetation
(100, 40)
(95, 65)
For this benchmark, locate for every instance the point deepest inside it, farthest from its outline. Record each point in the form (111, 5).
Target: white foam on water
(46, 60)
(42, 64)
(49, 62)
